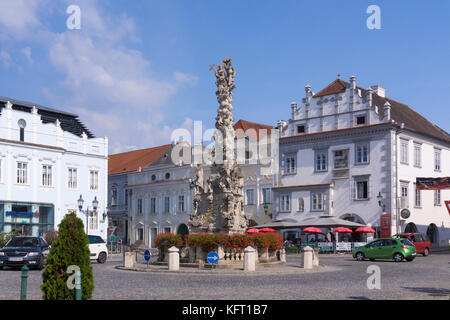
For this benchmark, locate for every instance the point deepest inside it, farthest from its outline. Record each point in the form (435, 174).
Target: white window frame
(417, 197)
(72, 178)
(93, 220)
(93, 180)
(437, 198)
(301, 205)
(267, 195)
(47, 176)
(404, 195)
(321, 161)
(291, 165)
(317, 201)
(359, 193)
(152, 205)
(285, 203)
(404, 157)
(362, 153)
(417, 155)
(22, 173)
(166, 204)
(437, 160)
(140, 206)
(181, 203)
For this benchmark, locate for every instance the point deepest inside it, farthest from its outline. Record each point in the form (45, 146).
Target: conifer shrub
(71, 247)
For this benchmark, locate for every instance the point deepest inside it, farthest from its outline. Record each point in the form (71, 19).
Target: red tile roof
(246, 125)
(400, 112)
(132, 160)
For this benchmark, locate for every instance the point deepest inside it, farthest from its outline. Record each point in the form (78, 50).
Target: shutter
(353, 189)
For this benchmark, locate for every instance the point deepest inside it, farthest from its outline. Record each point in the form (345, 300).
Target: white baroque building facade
(48, 158)
(346, 148)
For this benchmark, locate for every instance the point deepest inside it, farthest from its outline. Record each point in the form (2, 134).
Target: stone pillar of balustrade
(174, 259)
(249, 259)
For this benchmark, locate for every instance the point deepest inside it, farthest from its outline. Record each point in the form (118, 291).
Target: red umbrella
(252, 231)
(312, 230)
(365, 230)
(267, 230)
(342, 230)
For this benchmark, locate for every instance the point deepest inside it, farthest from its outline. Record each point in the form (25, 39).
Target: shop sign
(20, 214)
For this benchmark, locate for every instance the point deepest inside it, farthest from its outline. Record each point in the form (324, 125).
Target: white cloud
(5, 58)
(111, 86)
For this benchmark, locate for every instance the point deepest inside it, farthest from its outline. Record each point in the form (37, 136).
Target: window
(93, 220)
(301, 129)
(341, 159)
(417, 155)
(404, 196)
(285, 203)
(93, 180)
(167, 230)
(404, 151)
(166, 204)
(290, 165)
(22, 124)
(266, 196)
(317, 201)
(321, 160)
(114, 196)
(153, 177)
(362, 153)
(437, 159)
(301, 205)
(437, 197)
(362, 192)
(46, 176)
(22, 172)
(418, 198)
(250, 197)
(361, 120)
(152, 205)
(140, 234)
(72, 178)
(139, 206)
(181, 203)
(167, 175)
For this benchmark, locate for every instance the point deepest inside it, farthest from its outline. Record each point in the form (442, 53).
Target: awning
(319, 222)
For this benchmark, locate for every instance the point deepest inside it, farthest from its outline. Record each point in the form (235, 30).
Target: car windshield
(408, 243)
(23, 242)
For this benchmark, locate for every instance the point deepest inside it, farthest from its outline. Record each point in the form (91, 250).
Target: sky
(137, 70)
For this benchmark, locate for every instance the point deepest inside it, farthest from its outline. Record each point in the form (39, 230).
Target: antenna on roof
(339, 75)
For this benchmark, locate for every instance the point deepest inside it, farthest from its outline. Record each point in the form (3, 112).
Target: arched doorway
(182, 229)
(433, 234)
(354, 237)
(411, 228)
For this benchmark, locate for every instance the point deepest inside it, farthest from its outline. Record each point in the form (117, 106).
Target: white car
(98, 249)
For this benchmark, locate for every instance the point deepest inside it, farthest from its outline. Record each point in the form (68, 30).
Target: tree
(71, 247)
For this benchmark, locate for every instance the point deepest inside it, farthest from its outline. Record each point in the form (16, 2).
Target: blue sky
(136, 70)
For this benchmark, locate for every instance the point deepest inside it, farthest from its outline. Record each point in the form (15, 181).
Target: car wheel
(101, 257)
(360, 256)
(40, 264)
(426, 252)
(398, 257)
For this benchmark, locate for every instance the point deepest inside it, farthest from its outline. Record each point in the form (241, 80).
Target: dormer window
(153, 177)
(361, 120)
(167, 176)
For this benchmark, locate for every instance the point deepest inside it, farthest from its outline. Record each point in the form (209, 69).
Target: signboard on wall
(433, 183)
(447, 204)
(385, 225)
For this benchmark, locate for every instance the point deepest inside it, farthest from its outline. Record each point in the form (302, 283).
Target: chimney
(293, 109)
(281, 124)
(308, 91)
(353, 82)
(387, 111)
(379, 90)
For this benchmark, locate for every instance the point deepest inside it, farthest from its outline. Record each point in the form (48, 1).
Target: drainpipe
(397, 209)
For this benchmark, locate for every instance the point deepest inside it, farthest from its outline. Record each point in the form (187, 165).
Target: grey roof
(69, 121)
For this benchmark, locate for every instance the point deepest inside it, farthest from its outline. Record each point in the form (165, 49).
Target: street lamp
(87, 212)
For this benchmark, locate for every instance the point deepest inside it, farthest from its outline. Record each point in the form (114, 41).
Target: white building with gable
(346, 148)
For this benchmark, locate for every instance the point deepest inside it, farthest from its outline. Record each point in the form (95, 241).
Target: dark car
(24, 250)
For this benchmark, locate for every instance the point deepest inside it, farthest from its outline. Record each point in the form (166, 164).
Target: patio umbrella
(342, 230)
(252, 231)
(365, 230)
(267, 230)
(311, 230)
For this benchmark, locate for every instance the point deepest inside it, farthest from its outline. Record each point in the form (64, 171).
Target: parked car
(98, 249)
(419, 240)
(24, 250)
(386, 248)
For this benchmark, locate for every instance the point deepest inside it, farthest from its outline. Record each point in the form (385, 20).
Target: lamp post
(87, 212)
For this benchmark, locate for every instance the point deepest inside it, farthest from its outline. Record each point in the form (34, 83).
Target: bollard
(316, 257)
(23, 286)
(174, 259)
(249, 259)
(307, 257)
(77, 285)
